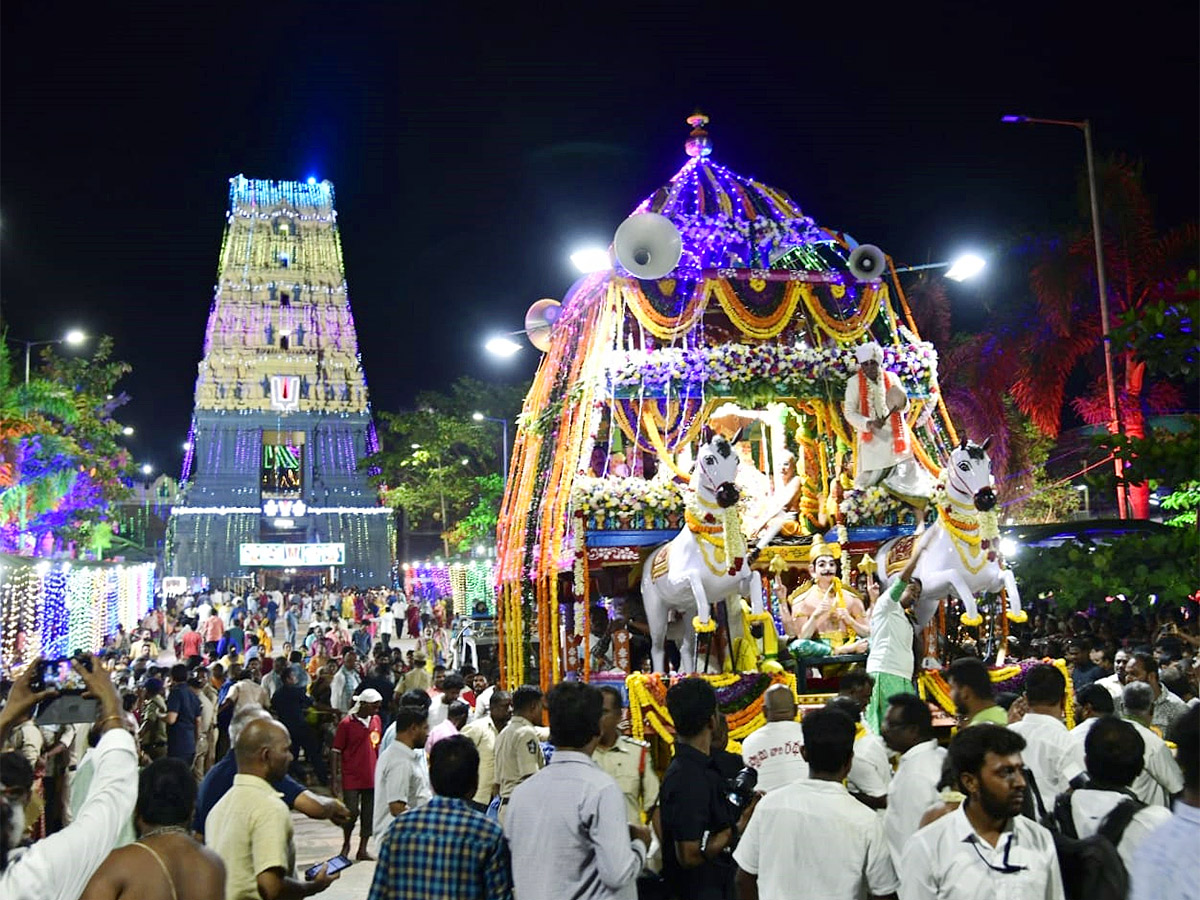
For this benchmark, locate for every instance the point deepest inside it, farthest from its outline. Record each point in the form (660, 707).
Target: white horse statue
(706, 563)
(958, 558)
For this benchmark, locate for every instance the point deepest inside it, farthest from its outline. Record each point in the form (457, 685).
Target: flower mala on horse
(706, 563)
(961, 555)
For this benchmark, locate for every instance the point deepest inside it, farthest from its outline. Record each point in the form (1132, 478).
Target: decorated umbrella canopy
(761, 313)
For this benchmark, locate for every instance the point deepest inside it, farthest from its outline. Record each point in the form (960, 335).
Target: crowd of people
(459, 788)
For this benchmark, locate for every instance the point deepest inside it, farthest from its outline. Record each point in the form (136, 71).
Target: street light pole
(1114, 422)
(480, 417)
(72, 337)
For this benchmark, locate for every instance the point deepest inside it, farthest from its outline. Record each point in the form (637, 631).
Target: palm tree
(1143, 266)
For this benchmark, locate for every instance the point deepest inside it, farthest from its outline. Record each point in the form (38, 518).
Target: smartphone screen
(336, 864)
(59, 674)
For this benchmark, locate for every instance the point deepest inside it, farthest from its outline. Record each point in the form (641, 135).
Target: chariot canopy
(752, 335)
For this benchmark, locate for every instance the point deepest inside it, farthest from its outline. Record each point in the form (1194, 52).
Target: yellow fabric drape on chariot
(669, 308)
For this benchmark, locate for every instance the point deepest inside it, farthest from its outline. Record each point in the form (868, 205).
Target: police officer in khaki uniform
(518, 745)
(629, 763)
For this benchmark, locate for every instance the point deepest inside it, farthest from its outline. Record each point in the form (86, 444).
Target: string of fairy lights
(467, 588)
(53, 608)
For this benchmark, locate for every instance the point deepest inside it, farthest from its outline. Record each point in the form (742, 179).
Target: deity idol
(824, 617)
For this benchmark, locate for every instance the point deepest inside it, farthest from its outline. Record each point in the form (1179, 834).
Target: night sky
(473, 147)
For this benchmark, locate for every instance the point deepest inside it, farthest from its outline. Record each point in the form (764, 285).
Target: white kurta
(878, 454)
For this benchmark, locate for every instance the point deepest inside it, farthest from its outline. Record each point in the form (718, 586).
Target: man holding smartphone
(250, 828)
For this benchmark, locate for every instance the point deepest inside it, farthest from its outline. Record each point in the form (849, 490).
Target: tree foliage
(1165, 566)
(1032, 494)
(61, 464)
(436, 461)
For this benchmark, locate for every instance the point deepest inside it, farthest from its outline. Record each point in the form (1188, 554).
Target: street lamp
(591, 259)
(480, 417)
(1114, 423)
(501, 346)
(127, 431)
(74, 338)
(147, 469)
(961, 268)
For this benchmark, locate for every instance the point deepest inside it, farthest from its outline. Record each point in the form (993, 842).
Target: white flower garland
(733, 364)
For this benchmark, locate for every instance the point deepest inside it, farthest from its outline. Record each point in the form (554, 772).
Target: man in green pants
(890, 660)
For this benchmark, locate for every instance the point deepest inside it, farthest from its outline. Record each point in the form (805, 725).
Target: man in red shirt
(355, 751)
(190, 643)
(212, 630)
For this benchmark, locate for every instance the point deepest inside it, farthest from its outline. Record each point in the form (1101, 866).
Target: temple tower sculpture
(274, 474)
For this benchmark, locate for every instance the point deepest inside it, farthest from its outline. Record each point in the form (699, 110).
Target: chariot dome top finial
(698, 142)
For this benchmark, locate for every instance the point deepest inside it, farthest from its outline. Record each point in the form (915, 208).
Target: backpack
(1091, 868)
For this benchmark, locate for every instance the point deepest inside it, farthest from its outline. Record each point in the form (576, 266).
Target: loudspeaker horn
(867, 262)
(540, 320)
(648, 245)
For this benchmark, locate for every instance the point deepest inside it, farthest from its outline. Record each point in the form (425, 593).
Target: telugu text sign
(293, 554)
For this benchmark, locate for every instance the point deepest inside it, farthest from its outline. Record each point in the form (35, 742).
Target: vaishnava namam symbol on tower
(274, 470)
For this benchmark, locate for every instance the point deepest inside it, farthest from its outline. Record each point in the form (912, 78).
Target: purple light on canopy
(727, 220)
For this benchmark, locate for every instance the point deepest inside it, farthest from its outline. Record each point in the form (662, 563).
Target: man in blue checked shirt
(445, 848)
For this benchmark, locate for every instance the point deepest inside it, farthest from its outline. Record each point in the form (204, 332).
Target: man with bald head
(250, 828)
(774, 750)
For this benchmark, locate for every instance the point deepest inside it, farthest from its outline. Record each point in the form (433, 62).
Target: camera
(741, 788)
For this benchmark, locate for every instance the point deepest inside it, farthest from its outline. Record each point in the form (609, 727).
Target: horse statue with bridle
(961, 555)
(706, 563)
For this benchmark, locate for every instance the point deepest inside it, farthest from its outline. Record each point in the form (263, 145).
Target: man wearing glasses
(985, 849)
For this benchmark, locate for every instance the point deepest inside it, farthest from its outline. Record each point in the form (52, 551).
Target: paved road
(318, 841)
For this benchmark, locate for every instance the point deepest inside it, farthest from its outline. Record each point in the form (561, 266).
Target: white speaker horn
(867, 262)
(539, 322)
(648, 245)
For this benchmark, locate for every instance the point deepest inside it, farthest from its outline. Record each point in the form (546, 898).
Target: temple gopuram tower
(274, 478)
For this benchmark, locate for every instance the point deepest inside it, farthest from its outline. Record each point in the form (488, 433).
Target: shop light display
(467, 588)
(53, 608)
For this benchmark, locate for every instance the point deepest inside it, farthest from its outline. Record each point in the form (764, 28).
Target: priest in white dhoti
(874, 406)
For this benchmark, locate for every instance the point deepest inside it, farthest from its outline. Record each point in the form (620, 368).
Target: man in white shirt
(452, 687)
(778, 858)
(58, 867)
(1115, 682)
(1114, 760)
(774, 751)
(908, 730)
(1166, 708)
(1165, 864)
(984, 849)
(399, 784)
(1159, 779)
(870, 771)
(345, 683)
(1047, 741)
(387, 625)
(890, 660)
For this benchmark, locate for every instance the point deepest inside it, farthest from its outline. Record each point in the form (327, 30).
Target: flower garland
(601, 498)
(870, 505)
(988, 522)
(797, 370)
(739, 696)
(580, 568)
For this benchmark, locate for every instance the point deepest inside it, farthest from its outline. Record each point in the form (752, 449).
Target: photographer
(700, 827)
(59, 866)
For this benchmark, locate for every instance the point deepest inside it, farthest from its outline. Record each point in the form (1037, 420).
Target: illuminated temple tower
(274, 475)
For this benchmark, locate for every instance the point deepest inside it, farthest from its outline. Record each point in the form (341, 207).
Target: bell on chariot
(724, 421)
